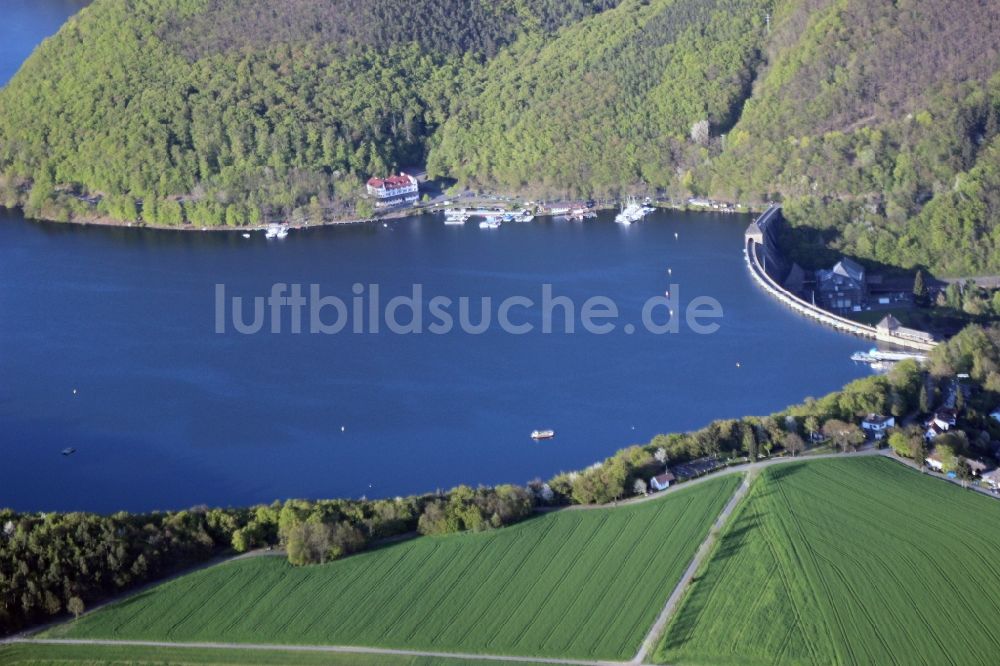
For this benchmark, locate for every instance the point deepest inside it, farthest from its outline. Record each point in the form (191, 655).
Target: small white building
(943, 421)
(875, 425)
(394, 190)
(662, 481)
(934, 462)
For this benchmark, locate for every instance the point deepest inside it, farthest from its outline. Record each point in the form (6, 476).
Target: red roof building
(394, 190)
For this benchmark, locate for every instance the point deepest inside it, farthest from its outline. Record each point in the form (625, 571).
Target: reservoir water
(108, 345)
(169, 413)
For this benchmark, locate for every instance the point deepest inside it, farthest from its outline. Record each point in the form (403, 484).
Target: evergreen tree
(920, 289)
(925, 402)
(749, 442)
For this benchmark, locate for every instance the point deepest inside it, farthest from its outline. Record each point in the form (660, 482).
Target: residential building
(876, 425)
(932, 430)
(662, 481)
(942, 421)
(394, 190)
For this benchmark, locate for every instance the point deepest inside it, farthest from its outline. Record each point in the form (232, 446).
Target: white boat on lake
(543, 434)
(490, 223)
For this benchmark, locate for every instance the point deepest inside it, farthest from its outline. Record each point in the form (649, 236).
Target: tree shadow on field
(781, 472)
(730, 544)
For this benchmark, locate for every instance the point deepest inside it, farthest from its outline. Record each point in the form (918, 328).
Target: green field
(570, 583)
(855, 561)
(92, 655)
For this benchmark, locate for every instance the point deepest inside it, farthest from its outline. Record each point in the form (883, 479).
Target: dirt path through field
(649, 642)
(344, 649)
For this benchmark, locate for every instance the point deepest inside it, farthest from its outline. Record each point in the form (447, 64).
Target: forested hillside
(618, 101)
(874, 121)
(865, 112)
(224, 111)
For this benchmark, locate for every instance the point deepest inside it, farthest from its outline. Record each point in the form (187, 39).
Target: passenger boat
(68, 451)
(490, 223)
(543, 434)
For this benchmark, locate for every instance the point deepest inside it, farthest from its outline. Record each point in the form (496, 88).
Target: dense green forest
(874, 122)
(230, 111)
(610, 103)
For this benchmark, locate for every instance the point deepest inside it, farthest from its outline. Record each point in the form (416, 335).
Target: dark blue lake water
(24, 23)
(167, 413)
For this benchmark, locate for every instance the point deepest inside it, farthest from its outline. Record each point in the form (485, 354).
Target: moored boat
(276, 231)
(632, 211)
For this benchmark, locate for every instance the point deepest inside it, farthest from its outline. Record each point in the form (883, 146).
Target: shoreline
(399, 214)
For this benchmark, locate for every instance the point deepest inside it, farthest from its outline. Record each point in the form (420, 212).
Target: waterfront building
(394, 191)
(890, 328)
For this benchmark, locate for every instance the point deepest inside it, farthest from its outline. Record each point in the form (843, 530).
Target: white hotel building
(394, 190)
